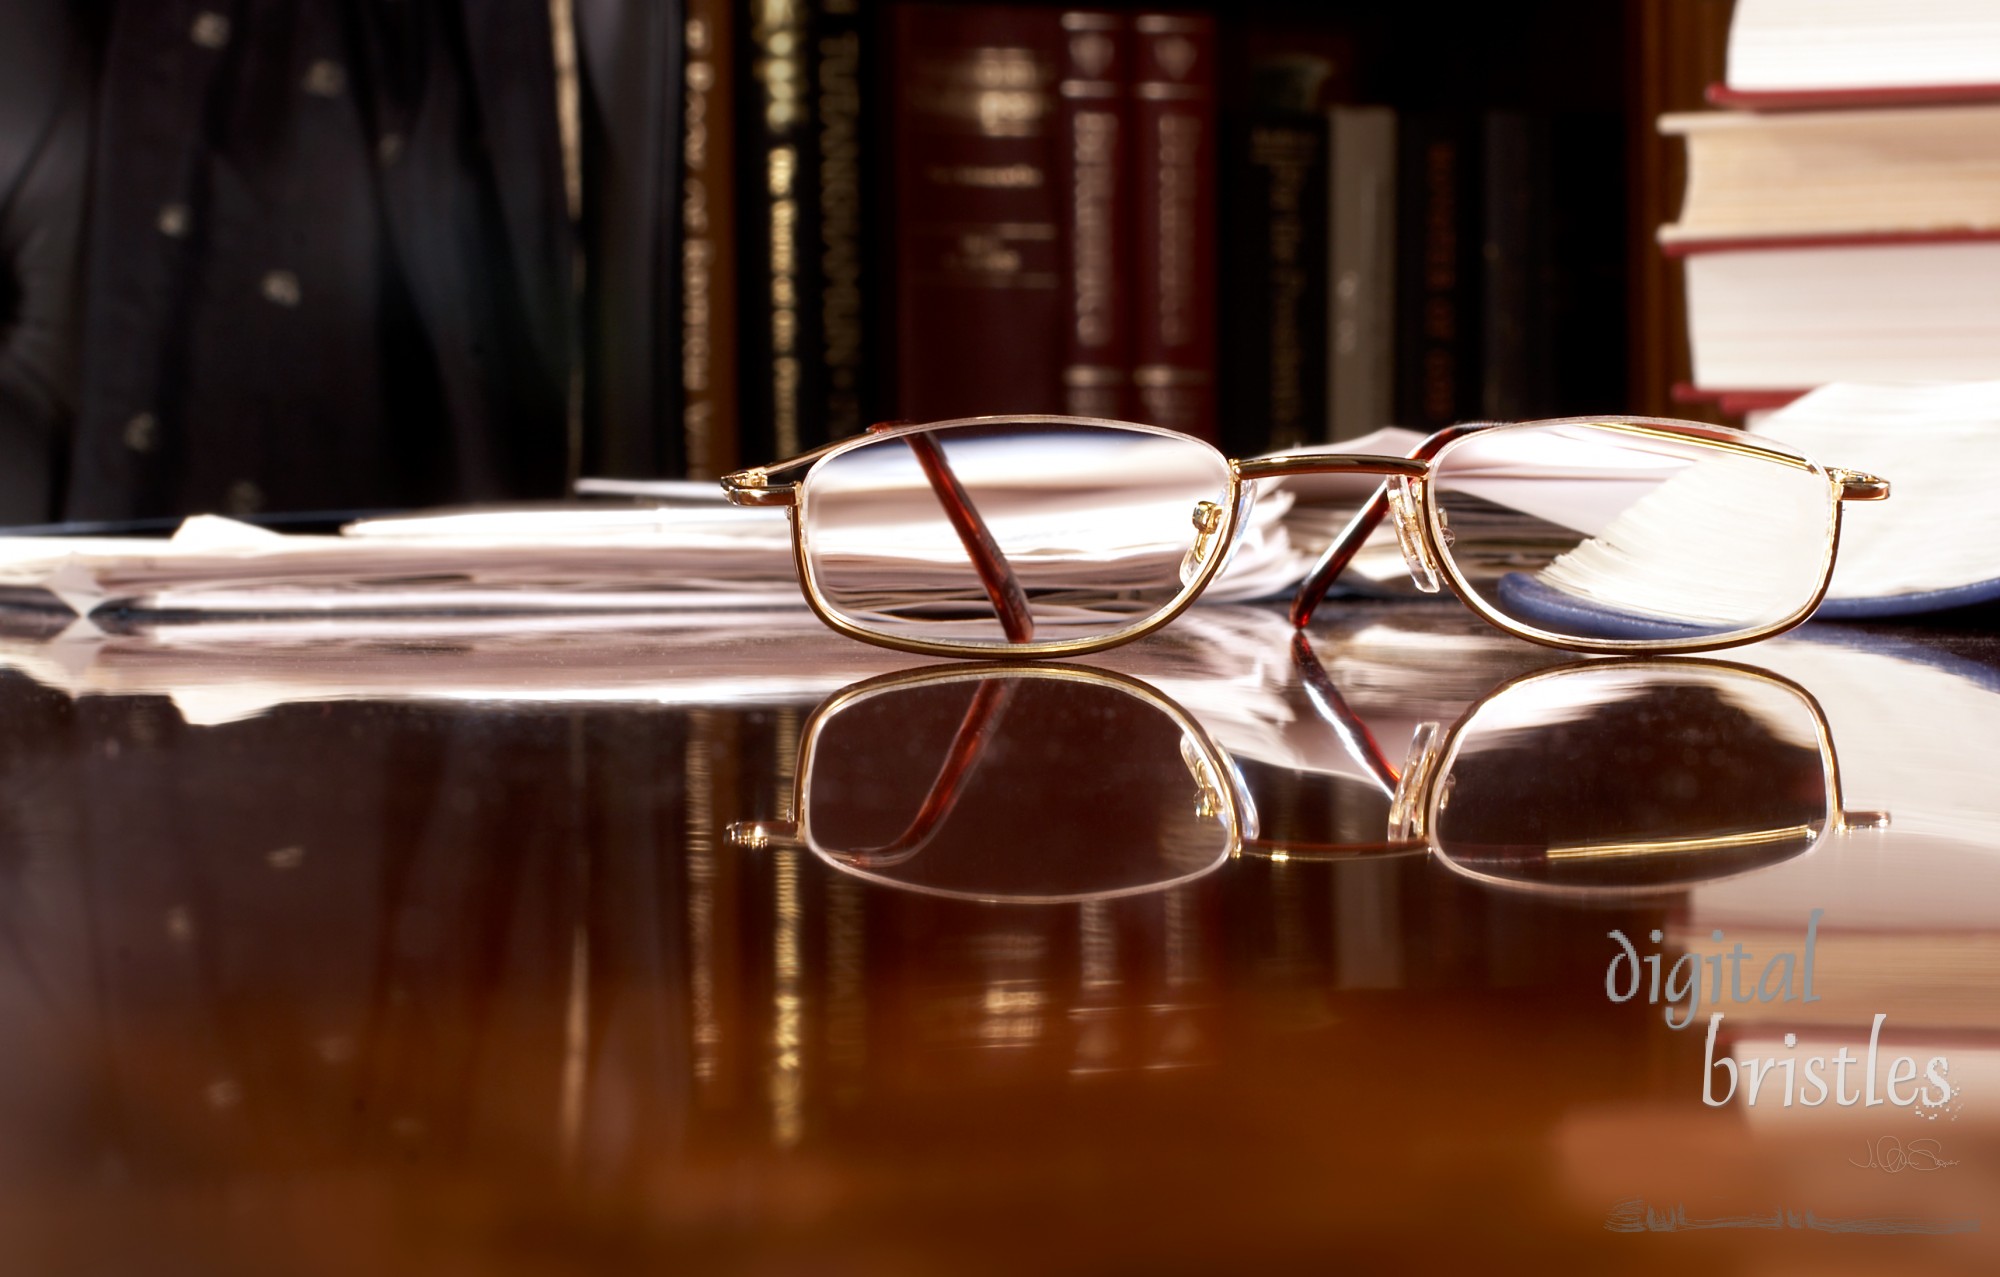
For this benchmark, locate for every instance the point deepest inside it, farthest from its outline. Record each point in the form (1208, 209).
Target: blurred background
(268, 256)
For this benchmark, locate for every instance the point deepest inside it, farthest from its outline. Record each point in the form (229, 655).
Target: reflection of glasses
(1038, 783)
(1029, 536)
(1049, 784)
(1615, 776)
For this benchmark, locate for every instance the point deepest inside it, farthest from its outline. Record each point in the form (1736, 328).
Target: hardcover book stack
(1227, 220)
(1842, 217)
(921, 211)
(1052, 198)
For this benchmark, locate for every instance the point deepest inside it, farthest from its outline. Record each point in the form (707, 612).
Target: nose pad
(1404, 506)
(1208, 801)
(1207, 529)
(1406, 815)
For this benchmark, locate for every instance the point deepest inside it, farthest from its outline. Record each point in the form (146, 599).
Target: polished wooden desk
(428, 951)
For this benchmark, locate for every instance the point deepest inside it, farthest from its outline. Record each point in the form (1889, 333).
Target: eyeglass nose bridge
(1406, 508)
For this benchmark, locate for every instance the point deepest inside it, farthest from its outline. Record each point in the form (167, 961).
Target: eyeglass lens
(1593, 531)
(1023, 785)
(1017, 784)
(1633, 777)
(1100, 527)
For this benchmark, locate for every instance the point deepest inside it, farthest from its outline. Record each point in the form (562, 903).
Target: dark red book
(978, 244)
(1694, 246)
(1825, 99)
(1094, 163)
(1734, 402)
(1173, 288)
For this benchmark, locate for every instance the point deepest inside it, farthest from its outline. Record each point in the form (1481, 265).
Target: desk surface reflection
(431, 951)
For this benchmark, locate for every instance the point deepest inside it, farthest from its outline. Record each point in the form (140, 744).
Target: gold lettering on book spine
(697, 259)
(782, 172)
(1095, 146)
(778, 31)
(992, 177)
(995, 92)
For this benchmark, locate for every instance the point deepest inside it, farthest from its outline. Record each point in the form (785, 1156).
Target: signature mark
(1891, 1156)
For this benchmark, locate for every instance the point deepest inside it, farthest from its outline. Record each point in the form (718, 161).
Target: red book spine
(978, 245)
(1824, 99)
(1839, 239)
(1173, 290)
(1736, 402)
(1094, 142)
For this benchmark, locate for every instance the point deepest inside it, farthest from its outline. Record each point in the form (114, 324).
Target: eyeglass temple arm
(1359, 528)
(996, 575)
(754, 487)
(982, 718)
(1362, 747)
(1334, 710)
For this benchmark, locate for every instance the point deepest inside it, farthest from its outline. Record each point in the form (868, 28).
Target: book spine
(1361, 366)
(627, 172)
(708, 266)
(842, 55)
(1093, 163)
(1516, 354)
(1174, 218)
(1694, 245)
(1779, 100)
(776, 143)
(1276, 284)
(1438, 270)
(1737, 402)
(978, 256)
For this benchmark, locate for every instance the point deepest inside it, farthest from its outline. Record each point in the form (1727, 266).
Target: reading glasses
(1055, 536)
(1048, 784)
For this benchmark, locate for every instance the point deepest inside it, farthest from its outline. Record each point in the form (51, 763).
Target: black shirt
(44, 141)
(328, 258)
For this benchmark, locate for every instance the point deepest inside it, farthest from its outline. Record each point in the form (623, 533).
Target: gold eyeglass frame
(1405, 496)
(1418, 792)
(1420, 797)
(1210, 771)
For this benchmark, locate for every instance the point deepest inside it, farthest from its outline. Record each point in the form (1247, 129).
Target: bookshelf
(1578, 82)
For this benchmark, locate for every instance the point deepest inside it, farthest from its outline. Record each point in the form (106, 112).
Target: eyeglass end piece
(754, 488)
(1856, 486)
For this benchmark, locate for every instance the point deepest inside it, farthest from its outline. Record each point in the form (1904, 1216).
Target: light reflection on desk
(436, 957)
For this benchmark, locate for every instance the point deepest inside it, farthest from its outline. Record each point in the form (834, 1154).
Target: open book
(1934, 544)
